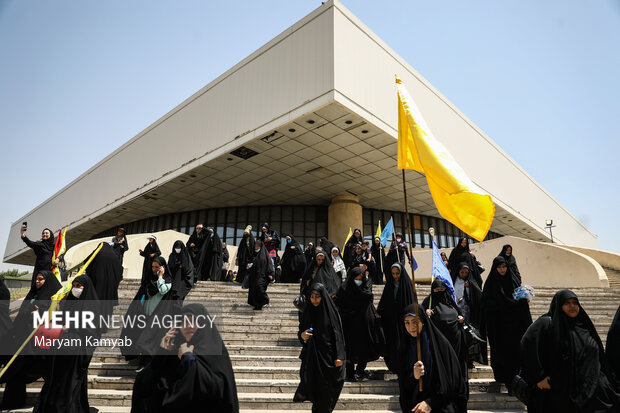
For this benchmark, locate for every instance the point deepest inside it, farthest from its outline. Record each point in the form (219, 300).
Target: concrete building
(301, 134)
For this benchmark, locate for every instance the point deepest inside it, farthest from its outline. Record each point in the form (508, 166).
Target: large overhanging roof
(304, 162)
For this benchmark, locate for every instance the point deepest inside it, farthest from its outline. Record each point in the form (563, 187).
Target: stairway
(264, 350)
(613, 276)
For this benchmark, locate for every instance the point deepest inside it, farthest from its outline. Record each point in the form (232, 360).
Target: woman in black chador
(66, 384)
(43, 250)
(349, 248)
(244, 254)
(150, 252)
(613, 348)
(320, 271)
(27, 368)
(309, 253)
(562, 356)
(444, 389)
(120, 244)
(511, 261)
(446, 316)
(397, 294)
(397, 252)
(192, 372)
(181, 269)
(362, 329)
(106, 273)
(293, 261)
(461, 254)
(210, 260)
(323, 355)
(505, 319)
(378, 254)
(261, 272)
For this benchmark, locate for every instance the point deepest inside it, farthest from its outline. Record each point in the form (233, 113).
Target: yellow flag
(345, 241)
(379, 230)
(456, 197)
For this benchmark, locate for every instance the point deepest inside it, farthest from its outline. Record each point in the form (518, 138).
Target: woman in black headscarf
(106, 273)
(150, 252)
(612, 349)
(66, 385)
(562, 356)
(511, 261)
(397, 252)
(349, 248)
(323, 355)
(378, 254)
(461, 254)
(320, 271)
(444, 388)
(194, 244)
(153, 299)
(181, 269)
(27, 367)
(210, 259)
(192, 373)
(397, 294)
(293, 261)
(362, 330)
(446, 316)
(309, 253)
(120, 244)
(244, 253)
(43, 250)
(326, 244)
(261, 272)
(505, 320)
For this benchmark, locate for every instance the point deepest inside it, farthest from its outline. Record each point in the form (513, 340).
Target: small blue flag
(441, 271)
(387, 232)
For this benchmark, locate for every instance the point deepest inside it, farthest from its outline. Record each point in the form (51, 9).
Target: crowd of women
(555, 364)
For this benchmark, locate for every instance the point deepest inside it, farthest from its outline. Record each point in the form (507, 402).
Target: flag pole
(415, 294)
(431, 231)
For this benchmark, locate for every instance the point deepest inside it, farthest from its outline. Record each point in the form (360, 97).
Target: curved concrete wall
(541, 264)
(132, 260)
(605, 258)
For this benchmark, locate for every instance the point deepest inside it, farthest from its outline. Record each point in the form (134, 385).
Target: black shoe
(258, 308)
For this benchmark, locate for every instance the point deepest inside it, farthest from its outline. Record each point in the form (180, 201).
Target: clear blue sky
(80, 78)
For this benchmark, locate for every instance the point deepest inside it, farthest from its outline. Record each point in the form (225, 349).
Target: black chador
(511, 261)
(461, 254)
(505, 319)
(444, 387)
(193, 373)
(349, 248)
(612, 348)
(378, 254)
(120, 244)
(320, 271)
(210, 261)
(323, 355)
(309, 253)
(447, 317)
(397, 252)
(397, 294)
(106, 273)
(362, 329)
(194, 244)
(44, 251)
(261, 272)
(181, 269)
(150, 252)
(293, 261)
(245, 253)
(66, 384)
(563, 351)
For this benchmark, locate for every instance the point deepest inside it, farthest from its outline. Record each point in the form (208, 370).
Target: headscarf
(455, 255)
(511, 262)
(325, 274)
(498, 289)
(48, 244)
(151, 286)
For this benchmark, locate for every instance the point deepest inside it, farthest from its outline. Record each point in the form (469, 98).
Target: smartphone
(25, 224)
(310, 330)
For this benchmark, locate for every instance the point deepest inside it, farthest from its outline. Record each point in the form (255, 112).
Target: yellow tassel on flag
(456, 197)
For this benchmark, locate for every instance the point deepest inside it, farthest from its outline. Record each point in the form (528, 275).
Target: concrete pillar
(344, 212)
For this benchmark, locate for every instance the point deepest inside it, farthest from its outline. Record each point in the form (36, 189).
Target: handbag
(300, 302)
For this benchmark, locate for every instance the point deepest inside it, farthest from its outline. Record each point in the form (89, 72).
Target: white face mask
(398, 239)
(358, 282)
(177, 250)
(77, 292)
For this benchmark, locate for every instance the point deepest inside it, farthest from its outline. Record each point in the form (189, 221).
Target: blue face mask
(288, 241)
(358, 282)
(257, 250)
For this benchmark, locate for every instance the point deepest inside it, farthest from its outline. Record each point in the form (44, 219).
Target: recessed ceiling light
(192, 176)
(310, 121)
(348, 122)
(229, 159)
(364, 131)
(291, 130)
(182, 180)
(154, 194)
